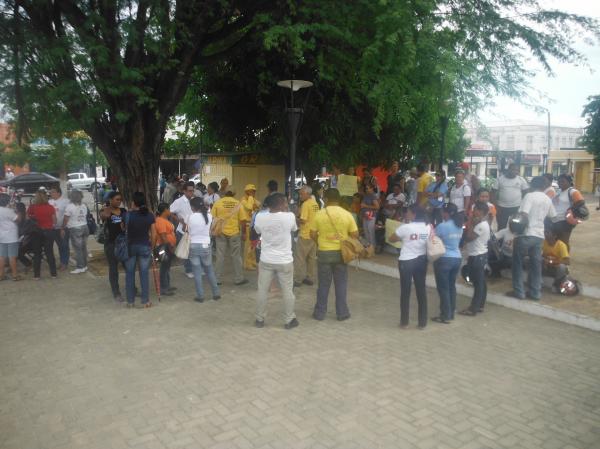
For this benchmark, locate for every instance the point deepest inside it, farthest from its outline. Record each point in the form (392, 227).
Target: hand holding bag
(435, 246)
(183, 247)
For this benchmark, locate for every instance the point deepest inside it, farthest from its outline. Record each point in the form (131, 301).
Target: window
(529, 144)
(73, 176)
(564, 141)
(510, 143)
(528, 171)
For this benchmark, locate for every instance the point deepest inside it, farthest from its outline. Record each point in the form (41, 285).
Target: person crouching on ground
(276, 259)
(331, 225)
(556, 258)
(477, 236)
(412, 262)
(165, 237)
(198, 226)
(75, 220)
(446, 268)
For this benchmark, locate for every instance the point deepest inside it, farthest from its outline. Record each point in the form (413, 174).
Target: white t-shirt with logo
(77, 214)
(414, 239)
(537, 206)
(60, 205)
(479, 245)
(198, 229)
(181, 207)
(9, 232)
(561, 203)
(458, 195)
(510, 190)
(275, 231)
(508, 238)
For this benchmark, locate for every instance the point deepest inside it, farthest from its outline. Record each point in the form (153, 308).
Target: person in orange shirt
(165, 236)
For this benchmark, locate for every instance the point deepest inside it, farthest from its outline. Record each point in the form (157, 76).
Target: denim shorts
(9, 249)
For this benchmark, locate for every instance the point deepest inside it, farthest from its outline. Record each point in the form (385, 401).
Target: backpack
(91, 222)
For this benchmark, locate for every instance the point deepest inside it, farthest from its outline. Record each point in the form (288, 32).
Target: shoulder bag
(351, 248)
(435, 246)
(217, 225)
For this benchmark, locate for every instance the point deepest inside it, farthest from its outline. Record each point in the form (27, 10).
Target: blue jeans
(187, 266)
(139, 254)
(532, 247)
(446, 270)
(63, 246)
(201, 260)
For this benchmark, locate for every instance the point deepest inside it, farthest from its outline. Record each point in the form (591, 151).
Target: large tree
(591, 138)
(383, 70)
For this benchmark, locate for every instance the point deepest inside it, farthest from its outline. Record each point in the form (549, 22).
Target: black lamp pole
(443, 128)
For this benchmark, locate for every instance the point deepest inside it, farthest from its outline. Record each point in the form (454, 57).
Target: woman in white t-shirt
(198, 226)
(413, 262)
(211, 196)
(75, 220)
(9, 237)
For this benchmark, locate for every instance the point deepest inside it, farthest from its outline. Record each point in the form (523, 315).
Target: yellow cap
(249, 187)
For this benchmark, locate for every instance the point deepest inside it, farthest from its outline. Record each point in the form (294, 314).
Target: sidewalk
(582, 310)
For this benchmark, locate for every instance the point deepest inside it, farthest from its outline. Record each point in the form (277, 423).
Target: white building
(514, 141)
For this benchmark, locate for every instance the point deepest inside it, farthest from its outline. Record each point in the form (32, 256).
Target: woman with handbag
(113, 216)
(140, 232)
(567, 198)
(165, 241)
(413, 262)
(198, 227)
(446, 268)
(75, 220)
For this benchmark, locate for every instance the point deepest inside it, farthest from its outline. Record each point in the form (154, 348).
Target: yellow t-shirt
(307, 213)
(223, 209)
(328, 234)
(559, 251)
(422, 184)
(250, 204)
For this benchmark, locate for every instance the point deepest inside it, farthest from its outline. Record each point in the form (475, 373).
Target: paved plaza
(79, 371)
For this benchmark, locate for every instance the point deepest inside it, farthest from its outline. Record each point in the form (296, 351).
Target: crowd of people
(514, 225)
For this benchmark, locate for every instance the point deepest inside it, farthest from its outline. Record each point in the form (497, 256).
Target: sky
(567, 91)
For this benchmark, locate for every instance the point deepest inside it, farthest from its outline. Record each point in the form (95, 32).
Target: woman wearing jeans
(75, 219)
(113, 216)
(446, 268)
(198, 226)
(413, 262)
(140, 232)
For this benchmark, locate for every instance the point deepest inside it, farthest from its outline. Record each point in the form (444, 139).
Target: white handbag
(435, 247)
(183, 247)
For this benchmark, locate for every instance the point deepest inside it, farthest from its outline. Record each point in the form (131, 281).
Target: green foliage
(591, 138)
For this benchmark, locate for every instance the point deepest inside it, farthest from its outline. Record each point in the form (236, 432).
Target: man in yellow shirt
(305, 259)
(330, 226)
(423, 181)
(556, 258)
(230, 210)
(250, 205)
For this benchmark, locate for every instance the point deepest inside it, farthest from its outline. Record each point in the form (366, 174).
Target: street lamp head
(295, 85)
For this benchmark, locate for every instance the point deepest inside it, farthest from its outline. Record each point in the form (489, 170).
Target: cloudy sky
(568, 90)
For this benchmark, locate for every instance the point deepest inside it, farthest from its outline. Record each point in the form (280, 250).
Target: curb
(530, 307)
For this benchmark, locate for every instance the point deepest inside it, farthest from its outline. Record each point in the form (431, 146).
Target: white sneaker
(190, 275)
(78, 271)
(84, 269)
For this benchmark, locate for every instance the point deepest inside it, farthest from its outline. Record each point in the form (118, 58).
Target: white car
(81, 181)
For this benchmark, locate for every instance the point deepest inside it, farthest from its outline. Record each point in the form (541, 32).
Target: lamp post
(294, 116)
(443, 128)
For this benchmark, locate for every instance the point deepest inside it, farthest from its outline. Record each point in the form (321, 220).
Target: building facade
(496, 145)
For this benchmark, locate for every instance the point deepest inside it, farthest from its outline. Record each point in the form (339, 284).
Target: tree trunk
(134, 160)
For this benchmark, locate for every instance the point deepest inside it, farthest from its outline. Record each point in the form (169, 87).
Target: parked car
(81, 181)
(31, 182)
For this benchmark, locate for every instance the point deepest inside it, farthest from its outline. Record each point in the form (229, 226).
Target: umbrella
(156, 276)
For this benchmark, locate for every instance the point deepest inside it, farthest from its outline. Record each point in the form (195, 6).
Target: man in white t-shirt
(477, 236)
(181, 211)
(276, 259)
(538, 207)
(508, 193)
(60, 203)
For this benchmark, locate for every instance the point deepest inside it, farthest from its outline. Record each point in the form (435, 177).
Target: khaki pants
(249, 252)
(284, 273)
(305, 260)
(233, 246)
